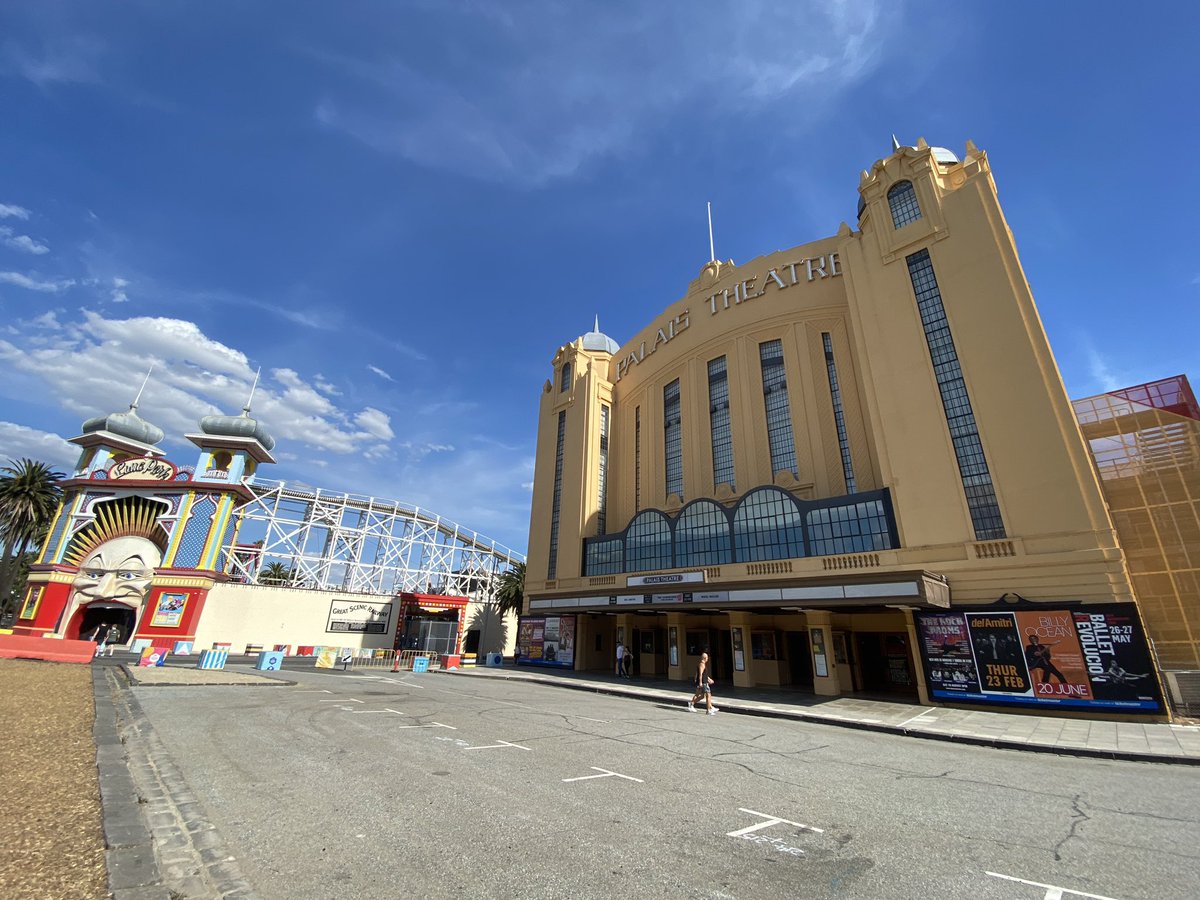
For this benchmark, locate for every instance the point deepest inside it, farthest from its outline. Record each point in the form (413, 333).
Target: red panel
(189, 616)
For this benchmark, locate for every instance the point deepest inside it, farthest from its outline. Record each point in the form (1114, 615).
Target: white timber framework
(299, 536)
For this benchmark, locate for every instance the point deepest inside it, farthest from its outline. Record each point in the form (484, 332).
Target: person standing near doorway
(620, 659)
(704, 683)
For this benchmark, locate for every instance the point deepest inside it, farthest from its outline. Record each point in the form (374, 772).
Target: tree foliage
(510, 590)
(29, 496)
(275, 573)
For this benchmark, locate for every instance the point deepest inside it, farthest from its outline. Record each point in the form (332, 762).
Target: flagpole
(712, 253)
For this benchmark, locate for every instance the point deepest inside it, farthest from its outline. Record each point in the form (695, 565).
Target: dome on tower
(237, 426)
(597, 340)
(128, 425)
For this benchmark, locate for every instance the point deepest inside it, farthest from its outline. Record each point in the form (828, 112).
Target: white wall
(240, 614)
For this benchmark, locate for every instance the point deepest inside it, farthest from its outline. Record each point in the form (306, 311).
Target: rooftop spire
(250, 399)
(136, 400)
(596, 328)
(895, 144)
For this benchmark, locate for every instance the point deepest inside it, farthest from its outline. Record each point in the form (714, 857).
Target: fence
(394, 660)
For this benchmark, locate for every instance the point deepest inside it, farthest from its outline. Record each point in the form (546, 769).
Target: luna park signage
(779, 278)
(142, 469)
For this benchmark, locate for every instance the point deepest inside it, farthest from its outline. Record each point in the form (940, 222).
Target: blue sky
(399, 211)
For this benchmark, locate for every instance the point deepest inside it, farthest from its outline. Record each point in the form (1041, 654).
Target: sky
(400, 211)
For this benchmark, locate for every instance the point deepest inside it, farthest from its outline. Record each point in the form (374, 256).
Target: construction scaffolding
(300, 536)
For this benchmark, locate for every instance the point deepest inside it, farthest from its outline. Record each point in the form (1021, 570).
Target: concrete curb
(160, 844)
(732, 706)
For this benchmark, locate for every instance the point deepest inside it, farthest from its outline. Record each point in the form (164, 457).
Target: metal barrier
(393, 660)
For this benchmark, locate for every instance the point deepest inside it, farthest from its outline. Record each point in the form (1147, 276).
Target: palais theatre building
(850, 466)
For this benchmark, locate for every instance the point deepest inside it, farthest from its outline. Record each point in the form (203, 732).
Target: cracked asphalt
(381, 786)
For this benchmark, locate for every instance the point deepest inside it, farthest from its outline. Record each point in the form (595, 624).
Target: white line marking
(314, 692)
(368, 677)
(913, 719)
(367, 712)
(432, 725)
(588, 719)
(497, 746)
(1052, 892)
(770, 820)
(607, 774)
(347, 700)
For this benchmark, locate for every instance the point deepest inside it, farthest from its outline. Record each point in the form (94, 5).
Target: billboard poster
(1117, 659)
(1078, 658)
(168, 610)
(1053, 657)
(998, 653)
(946, 644)
(547, 641)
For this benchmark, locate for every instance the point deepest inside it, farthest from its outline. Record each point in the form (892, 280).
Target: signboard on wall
(547, 641)
(168, 610)
(361, 618)
(1086, 658)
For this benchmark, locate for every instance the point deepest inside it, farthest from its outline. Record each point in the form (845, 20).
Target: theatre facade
(846, 467)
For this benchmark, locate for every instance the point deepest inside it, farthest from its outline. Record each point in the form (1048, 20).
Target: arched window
(648, 543)
(767, 525)
(564, 378)
(702, 536)
(221, 460)
(903, 201)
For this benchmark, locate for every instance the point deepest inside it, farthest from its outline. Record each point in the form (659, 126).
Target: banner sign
(365, 618)
(1087, 658)
(547, 641)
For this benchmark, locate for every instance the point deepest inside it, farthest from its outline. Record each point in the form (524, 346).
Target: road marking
(607, 774)
(588, 719)
(1052, 891)
(314, 692)
(347, 700)
(770, 820)
(432, 725)
(368, 677)
(497, 746)
(367, 712)
(403, 681)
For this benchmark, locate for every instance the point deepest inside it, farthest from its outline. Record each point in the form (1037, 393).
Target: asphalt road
(452, 786)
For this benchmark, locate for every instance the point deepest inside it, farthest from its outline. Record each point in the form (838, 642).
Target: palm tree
(510, 590)
(275, 573)
(29, 495)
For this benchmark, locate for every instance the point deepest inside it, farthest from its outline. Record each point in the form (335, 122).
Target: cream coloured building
(804, 452)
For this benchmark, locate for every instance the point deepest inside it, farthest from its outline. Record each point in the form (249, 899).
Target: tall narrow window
(838, 418)
(903, 201)
(556, 503)
(601, 506)
(718, 412)
(637, 459)
(779, 419)
(673, 439)
(964, 434)
(564, 378)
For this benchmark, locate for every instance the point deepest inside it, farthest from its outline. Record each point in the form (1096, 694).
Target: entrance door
(885, 662)
(723, 668)
(799, 659)
(118, 620)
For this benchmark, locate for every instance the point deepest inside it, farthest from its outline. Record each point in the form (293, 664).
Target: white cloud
(94, 364)
(32, 284)
(26, 244)
(375, 423)
(1101, 370)
(382, 374)
(118, 295)
(324, 386)
(8, 210)
(566, 102)
(19, 442)
(67, 60)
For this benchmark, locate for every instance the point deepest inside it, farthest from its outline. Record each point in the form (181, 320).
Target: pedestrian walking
(620, 659)
(102, 642)
(704, 683)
